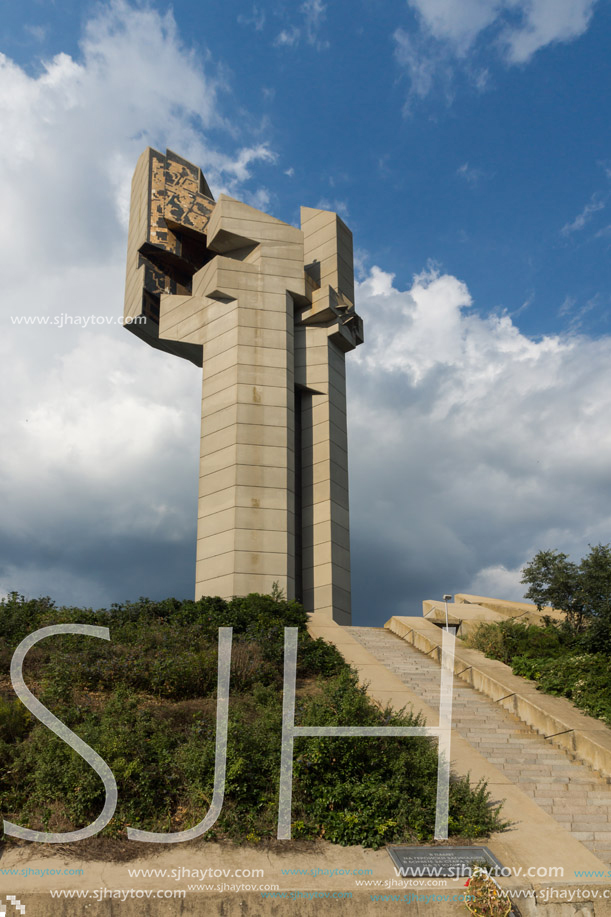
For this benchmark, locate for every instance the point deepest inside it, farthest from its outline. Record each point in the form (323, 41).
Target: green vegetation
(582, 591)
(554, 658)
(146, 702)
(571, 658)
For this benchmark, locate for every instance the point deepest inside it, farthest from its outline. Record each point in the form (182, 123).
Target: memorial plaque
(446, 862)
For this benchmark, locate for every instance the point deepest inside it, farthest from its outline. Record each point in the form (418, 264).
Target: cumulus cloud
(498, 581)
(472, 446)
(450, 33)
(103, 431)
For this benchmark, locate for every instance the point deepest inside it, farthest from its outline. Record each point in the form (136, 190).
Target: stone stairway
(575, 796)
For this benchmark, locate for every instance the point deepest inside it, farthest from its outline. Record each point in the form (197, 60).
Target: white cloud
(458, 23)
(256, 18)
(450, 33)
(288, 37)
(92, 131)
(37, 32)
(526, 25)
(103, 430)
(422, 62)
(472, 175)
(595, 204)
(481, 79)
(567, 306)
(577, 319)
(313, 14)
(472, 446)
(498, 582)
(546, 22)
(239, 167)
(336, 206)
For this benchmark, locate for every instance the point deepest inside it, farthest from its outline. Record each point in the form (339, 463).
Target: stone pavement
(575, 796)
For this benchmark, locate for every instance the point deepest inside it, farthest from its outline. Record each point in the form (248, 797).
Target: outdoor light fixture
(446, 599)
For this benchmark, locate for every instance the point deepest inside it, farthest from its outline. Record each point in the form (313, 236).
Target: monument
(267, 311)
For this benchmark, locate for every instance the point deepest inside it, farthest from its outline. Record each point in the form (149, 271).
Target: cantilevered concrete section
(267, 311)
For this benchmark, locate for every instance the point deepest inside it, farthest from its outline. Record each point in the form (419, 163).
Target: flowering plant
(486, 898)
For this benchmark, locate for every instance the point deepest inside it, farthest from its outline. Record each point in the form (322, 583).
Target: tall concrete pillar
(267, 311)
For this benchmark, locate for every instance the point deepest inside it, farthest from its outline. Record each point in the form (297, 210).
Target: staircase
(576, 797)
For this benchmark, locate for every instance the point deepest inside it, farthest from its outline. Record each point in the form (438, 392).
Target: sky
(467, 145)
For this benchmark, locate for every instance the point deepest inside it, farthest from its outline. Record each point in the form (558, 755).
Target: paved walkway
(573, 794)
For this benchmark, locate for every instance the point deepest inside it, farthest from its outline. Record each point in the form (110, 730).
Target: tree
(582, 591)
(595, 572)
(554, 580)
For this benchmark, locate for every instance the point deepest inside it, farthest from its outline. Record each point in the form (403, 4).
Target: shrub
(554, 657)
(145, 702)
(507, 639)
(14, 720)
(584, 678)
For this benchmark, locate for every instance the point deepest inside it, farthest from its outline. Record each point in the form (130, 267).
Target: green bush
(146, 702)
(374, 791)
(14, 720)
(554, 656)
(507, 639)
(584, 678)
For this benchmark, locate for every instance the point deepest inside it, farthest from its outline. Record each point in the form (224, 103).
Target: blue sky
(482, 173)
(466, 144)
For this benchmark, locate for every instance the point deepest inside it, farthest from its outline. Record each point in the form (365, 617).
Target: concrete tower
(267, 311)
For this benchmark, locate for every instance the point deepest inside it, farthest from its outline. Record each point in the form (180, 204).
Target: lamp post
(446, 599)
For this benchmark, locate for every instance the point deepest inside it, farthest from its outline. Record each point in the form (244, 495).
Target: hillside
(146, 702)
